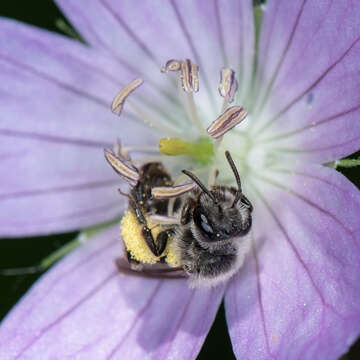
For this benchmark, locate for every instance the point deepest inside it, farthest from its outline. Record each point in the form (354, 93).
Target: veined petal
(236, 28)
(50, 187)
(76, 312)
(298, 297)
(309, 78)
(71, 85)
(148, 32)
(105, 27)
(53, 131)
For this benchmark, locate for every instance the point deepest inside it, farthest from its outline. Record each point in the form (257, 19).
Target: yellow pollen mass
(131, 231)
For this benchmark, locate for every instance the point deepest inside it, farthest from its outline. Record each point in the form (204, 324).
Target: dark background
(30, 251)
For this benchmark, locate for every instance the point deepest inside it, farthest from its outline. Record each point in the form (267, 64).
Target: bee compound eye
(204, 223)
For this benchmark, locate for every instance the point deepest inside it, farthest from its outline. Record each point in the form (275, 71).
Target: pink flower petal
(298, 297)
(309, 78)
(85, 309)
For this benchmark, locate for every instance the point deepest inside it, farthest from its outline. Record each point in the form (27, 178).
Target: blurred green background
(30, 251)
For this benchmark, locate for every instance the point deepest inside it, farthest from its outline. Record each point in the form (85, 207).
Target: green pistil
(202, 150)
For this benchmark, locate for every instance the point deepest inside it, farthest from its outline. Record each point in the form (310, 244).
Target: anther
(189, 76)
(189, 73)
(168, 192)
(228, 84)
(163, 219)
(118, 102)
(226, 121)
(125, 169)
(189, 81)
(171, 65)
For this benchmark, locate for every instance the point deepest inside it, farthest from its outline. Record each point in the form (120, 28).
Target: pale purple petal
(236, 28)
(308, 81)
(48, 188)
(85, 309)
(55, 80)
(223, 29)
(298, 296)
(110, 33)
(55, 98)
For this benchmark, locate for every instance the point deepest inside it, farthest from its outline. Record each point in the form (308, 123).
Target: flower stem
(346, 163)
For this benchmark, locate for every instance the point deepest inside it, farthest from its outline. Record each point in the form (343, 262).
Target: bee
(205, 238)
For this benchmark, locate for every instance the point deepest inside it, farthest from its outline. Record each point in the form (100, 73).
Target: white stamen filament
(151, 122)
(192, 112)
(153, 149)
(188, 83)
(120, 151)
(213, 170)
(225, 105)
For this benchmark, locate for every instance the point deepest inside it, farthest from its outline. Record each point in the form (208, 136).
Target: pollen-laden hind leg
(158, 247)
(146, 232)
(162, 240)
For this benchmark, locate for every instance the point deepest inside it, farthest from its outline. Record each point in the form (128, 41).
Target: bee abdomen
(151, 175)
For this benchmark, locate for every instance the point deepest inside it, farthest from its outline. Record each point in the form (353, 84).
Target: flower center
(201, 153)
(204, 148)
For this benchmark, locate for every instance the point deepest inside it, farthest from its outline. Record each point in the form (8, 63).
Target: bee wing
(155, 271)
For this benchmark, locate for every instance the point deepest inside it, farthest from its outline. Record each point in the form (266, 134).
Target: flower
(297, 294)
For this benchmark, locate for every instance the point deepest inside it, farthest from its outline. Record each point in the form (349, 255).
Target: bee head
(217, 221)
(222, 212)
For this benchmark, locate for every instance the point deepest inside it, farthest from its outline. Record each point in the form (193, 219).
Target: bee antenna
(200, 184)
(237, 177)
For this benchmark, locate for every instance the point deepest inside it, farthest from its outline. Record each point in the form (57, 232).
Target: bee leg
(162, 239)
(186, 211)
(128, 256)
(146, 232)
